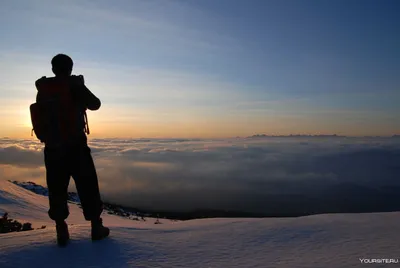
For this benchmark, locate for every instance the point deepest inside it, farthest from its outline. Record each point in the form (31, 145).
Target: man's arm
(84, 95)
(90, 100)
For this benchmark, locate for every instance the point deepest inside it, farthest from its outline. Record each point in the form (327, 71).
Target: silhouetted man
(59, 119)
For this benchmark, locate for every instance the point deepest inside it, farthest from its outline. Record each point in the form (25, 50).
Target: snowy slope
(316, 241)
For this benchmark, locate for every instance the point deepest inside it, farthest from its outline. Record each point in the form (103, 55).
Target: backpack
(56, 117)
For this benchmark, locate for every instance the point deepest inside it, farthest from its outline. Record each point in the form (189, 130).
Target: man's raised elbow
(95, 105)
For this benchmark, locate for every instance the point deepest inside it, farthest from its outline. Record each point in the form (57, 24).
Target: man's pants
(61, 164)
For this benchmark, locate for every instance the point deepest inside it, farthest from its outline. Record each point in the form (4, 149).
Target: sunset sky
(210, 68)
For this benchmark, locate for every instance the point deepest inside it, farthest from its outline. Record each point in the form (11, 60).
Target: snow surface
(335, 240)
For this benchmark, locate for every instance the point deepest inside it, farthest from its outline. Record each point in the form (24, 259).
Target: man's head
(62, 65)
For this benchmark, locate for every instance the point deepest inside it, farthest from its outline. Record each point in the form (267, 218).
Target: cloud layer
(235, 174)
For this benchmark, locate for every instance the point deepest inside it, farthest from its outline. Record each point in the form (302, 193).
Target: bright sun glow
(23, 118)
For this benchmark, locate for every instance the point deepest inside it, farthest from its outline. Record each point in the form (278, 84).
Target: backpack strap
(87, 130)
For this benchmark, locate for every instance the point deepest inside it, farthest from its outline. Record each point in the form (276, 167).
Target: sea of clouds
(239, 174)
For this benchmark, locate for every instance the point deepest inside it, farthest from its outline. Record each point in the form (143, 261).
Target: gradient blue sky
(210, 68)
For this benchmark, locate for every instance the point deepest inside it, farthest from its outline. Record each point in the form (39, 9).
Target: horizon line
(230, 137)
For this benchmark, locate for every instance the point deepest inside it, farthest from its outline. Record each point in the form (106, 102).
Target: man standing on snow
(60, 122)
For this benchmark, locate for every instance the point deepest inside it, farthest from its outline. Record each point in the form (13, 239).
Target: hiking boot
(98, 230)
(62, 233)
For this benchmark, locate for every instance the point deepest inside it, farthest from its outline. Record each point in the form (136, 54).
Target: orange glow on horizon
(128, 123)
(216, 129)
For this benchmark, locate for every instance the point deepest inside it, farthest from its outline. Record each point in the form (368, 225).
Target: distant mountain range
(294, 135)
(314, 136)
